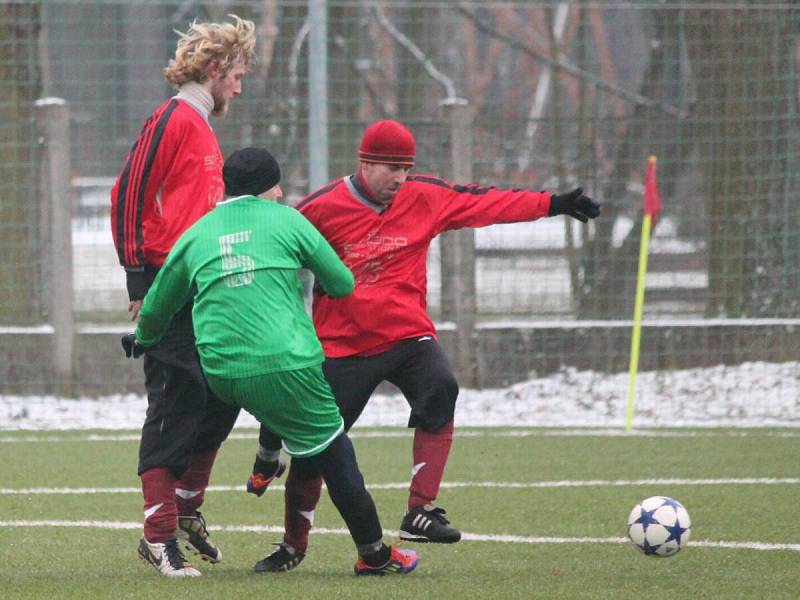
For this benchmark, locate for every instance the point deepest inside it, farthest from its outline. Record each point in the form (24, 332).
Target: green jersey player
(256, 343)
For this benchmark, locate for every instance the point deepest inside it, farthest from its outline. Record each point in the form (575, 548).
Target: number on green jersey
(237, 268)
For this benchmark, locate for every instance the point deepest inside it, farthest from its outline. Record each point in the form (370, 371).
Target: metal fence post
(318, 94)
(52, 116)
(458, 250)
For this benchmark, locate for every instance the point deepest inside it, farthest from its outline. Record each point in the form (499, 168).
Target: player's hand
(575, 205)
(134, 306)
(131, 346)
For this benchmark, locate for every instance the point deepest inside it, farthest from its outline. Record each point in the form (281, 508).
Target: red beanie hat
(388, 142)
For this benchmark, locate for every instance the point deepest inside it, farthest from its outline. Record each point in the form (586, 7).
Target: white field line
(473, 537)
(600, 433)
(447, 484)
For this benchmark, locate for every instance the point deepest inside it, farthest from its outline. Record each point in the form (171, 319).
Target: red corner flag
(652, 199)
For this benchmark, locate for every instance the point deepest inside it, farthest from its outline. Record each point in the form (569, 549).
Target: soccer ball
(659, 526)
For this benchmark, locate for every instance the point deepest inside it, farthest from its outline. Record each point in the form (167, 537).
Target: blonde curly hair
(207, 42)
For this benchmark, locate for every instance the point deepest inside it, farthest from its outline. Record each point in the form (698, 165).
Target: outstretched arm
(457, 206)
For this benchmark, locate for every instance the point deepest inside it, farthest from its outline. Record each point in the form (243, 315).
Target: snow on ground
(753, 394)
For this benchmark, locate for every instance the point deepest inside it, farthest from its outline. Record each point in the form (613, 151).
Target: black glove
(131, 346)
(574, 204)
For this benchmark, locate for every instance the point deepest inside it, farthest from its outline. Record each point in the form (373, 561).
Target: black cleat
(285, 558)
(428, 524)
(193, 533)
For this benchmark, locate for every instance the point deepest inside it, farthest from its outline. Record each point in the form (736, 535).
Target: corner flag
(652, 207)
(652, 199)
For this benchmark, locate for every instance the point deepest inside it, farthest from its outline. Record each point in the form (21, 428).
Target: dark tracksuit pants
(183, 415)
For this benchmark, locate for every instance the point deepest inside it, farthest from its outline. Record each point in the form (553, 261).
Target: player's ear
(213, 70)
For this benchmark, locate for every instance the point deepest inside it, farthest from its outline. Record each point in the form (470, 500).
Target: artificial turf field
(543, 513)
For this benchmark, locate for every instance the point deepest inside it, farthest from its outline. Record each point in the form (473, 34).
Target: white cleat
(167, 558)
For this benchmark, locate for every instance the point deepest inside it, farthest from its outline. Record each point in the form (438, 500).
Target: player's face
(225, 87)
(384, 180)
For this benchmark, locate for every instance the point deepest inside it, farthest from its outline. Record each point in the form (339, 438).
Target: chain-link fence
(548, 95)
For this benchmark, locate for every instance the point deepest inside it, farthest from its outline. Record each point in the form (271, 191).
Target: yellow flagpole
(638, 309)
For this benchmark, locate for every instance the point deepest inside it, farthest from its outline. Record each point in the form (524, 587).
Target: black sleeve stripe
(134, 200)
(152, 149)
(475, 189)
(120, 216)
(133, 185)
(317, 194)
(122, 194)
(126, 206)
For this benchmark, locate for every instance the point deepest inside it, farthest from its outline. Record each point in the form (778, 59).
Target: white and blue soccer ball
(659, 526)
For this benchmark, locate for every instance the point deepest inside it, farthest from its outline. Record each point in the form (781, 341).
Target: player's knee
(349, 493)
(445, 390)
(438, 407)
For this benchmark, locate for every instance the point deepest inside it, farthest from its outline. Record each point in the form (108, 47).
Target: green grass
(94, 562)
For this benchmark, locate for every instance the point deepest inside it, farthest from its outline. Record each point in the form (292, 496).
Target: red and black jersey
(172, 177)
(387, 252)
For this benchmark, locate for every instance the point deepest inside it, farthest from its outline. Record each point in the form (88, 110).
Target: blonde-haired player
(172, 176)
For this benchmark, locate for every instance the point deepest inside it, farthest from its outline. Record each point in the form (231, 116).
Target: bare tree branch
(267, 34)
(572, 70)
(416, 52)
(543, 89)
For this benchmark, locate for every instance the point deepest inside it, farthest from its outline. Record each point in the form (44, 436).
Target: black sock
(267, 468)
(379, 558)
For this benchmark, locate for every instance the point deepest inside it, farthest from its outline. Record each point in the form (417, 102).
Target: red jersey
(172, 177)
(387, 251)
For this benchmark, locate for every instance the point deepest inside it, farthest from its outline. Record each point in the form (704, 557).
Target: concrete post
(318, 94)
(52, 116)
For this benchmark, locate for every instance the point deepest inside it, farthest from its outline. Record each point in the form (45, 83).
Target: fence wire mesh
(557, 94)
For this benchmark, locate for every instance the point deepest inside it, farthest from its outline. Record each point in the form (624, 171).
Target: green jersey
(239, 263)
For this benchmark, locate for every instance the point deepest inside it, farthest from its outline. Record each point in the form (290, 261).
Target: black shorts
(418, 367)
